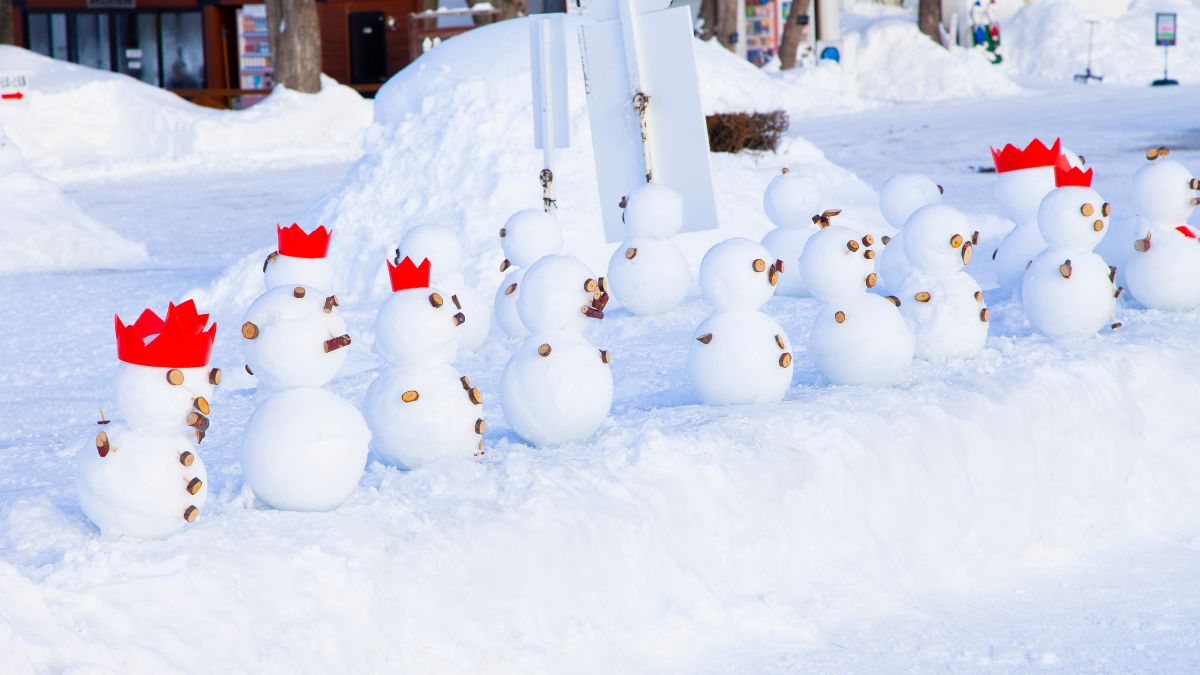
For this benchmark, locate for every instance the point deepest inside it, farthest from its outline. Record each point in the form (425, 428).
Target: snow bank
(43, 229)
(77, 120)
(453, 145)
(1049, 39)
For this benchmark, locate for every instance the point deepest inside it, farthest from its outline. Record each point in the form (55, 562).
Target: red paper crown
(294, 242)
(1034, 155)
(179, 341)
(407, 275)
(1065, 174)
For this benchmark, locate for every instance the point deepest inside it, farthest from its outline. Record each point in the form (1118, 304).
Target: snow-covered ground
(1035, 508)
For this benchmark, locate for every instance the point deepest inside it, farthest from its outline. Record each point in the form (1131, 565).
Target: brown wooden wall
(335, 33)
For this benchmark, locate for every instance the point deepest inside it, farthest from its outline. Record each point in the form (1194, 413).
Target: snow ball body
(140, 488)
(150, 404)
(871, 345)
(899, 198)
(286, 270)
(439, 424)
(441, 247)
(1062, 307)
(304, 449)
(740, 364)
(790, 201)
(648, 273)
(504, 306)
(562, 397)
(1020, 193)
(949, 322)
(288, 347)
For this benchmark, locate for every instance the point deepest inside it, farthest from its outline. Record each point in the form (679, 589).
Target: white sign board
(548, 71)
(13, 86)
(663, 64)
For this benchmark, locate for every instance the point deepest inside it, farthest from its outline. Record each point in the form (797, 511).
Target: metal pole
(547, 175)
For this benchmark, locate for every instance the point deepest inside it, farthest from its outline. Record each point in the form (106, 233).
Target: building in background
(216, 52)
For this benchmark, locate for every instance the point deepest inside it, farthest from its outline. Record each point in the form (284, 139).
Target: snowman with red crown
(1068, 290)
(420, 410)
(304, 448)
(142, 478)
(1025, 177)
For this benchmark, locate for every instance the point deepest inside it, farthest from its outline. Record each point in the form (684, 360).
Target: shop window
(137, 46)
(182, 50)
(39, 34)
(58, 36)
(92, 45)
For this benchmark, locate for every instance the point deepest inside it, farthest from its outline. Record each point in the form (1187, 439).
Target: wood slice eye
(1087, 209)
(175, 376)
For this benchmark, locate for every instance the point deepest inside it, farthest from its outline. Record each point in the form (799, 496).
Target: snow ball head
(904, 193)
(504, 306)
(654, 210)
(560, 397)
(285, 334)
(1020, 192)
(1162, 192)
(417, 325)
(934, 239)
(150, 403)
(140, 488)
(742, 360)
(437, 244)
(419, 415)
(790, 200)
(730, 275)
(530, 234)
(304, 450)
(553, 294)
(834, 263)
(1073, 218)
(286, 270)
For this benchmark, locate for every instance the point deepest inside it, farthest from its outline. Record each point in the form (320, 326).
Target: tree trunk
(295, 36)
(721, 21)
(793, 34)
(6, 23)
(929, 19)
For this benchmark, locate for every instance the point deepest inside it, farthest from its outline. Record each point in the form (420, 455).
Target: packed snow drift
(59, 129)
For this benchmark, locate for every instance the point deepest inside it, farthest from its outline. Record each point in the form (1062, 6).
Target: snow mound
(452, 145)
(1049, 39)
(76, 120)
(44, 230)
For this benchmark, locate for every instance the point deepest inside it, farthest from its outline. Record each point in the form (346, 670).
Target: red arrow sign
(17, 96)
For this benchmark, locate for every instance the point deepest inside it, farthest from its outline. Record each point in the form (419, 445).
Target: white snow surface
(1034, 508)
(79, 121)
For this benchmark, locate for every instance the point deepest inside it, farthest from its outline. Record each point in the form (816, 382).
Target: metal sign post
(1165, 24)
(551, 116)
(644, 108)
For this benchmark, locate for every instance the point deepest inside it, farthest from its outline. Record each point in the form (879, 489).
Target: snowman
(1068, 291)
(857, 337)
(648, 273)
(526, 236)
(304, 448)
(557, 387)
(420, 409)
(299, 258)
(1025, 177)
(790, 200)
(142, 478)
(942, 304)
(899, 198)
(1164, 273)
(440, 247)
(739, 354)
